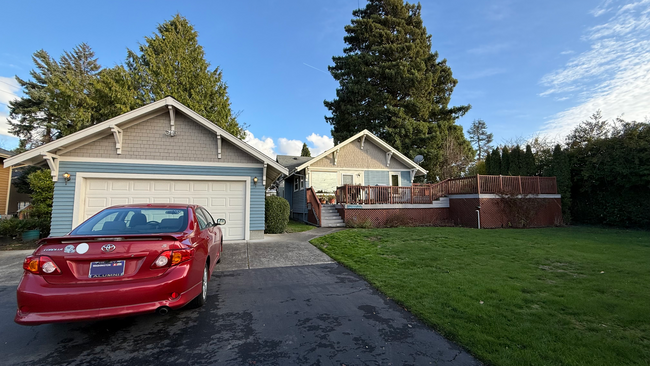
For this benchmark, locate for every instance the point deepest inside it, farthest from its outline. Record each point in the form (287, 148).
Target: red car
(124, 260)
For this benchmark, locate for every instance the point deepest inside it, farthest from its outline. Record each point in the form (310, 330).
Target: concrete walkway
(275, 250)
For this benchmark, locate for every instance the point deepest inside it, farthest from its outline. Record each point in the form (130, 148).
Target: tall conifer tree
(529, 165)
(515, 161)
(505, 161)
(305, 150)
(172, 63)
(393, 85)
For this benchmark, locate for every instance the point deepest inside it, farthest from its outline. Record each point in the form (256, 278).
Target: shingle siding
(351, 156)
(147, 141)
(63, 204)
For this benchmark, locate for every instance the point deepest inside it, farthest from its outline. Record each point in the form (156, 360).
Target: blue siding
(375, 177)
(299, 200)
(406, 179)
(62, 206)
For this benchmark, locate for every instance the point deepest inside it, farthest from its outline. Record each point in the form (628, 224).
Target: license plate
(106, 269)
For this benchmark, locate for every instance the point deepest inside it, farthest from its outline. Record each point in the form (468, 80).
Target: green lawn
(555, 296)
(297, 227)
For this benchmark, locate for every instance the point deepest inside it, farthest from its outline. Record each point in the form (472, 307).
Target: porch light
(66, 177)
(255, 180)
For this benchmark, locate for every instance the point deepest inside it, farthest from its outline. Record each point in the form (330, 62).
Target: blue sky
(525, 67)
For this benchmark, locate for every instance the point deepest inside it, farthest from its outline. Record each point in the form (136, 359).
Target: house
(5, 184)
(373, 184)
(161, 152)
(362, 160)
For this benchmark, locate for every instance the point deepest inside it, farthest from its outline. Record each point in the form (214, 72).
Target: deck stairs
(330, 217)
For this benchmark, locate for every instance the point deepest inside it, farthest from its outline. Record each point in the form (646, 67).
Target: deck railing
(313, 203)
(416, 194)
(427, 193)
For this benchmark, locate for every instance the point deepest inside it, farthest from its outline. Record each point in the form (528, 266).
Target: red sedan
(125, 260)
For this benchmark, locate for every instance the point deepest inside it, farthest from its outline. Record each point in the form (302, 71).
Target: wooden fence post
(478, 183)
(539, 187)
(521, 191)
(501, 182)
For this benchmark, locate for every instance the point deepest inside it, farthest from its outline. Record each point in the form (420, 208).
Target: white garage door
(224, 199)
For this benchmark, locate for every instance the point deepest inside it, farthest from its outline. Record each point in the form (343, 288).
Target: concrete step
(339, 224)
(329, 215)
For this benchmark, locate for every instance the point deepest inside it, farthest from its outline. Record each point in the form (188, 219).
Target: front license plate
(106, 269)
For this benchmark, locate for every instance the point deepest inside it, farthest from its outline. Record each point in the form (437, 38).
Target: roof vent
(295, 158)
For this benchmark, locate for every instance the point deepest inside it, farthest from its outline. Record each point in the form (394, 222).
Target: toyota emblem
(108, 248)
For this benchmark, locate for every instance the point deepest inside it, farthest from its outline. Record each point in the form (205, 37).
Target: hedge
(276, 215)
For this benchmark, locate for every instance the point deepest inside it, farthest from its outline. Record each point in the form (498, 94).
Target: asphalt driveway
(315, 314)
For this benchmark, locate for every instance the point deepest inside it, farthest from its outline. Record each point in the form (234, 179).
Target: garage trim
(80, 184)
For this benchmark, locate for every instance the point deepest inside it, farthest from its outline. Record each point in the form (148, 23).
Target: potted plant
(332, 199)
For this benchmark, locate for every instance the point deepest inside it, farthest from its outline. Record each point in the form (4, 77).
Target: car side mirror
(220, 222)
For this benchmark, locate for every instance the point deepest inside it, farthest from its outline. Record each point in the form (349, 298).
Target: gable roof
(290, 161)
(368, 135)
(6, 153)
(34, 156)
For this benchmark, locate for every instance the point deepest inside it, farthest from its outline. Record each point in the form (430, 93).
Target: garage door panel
(182, 186)
(162, 186)
(223, 199)
(120, 186)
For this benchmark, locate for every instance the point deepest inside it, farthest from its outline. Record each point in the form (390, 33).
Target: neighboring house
(162, 152)
(362, 160)
(5, 184)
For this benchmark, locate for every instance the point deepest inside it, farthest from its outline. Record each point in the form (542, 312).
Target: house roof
(35, 156)
(290, 162)
(6, 153)
(368, 135)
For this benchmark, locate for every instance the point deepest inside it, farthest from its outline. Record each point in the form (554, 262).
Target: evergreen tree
(561, 169)
(479, 136)
(59, 100)
(393, 85)
(496, 162)
(488, 163)
(529, 166)
(515, 161)
(305, 150)
(172, 63)
(505, 161)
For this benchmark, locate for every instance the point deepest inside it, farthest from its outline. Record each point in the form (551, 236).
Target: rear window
(122, 221)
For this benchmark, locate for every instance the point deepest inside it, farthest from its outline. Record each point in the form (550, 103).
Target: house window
(347, 179)
(394, 180)
(298, 183)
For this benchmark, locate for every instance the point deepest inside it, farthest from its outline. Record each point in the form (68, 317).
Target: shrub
(355, 222)
(276, 215)
(42, 193)
(13, 227)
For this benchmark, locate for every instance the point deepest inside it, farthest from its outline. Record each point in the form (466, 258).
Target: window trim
(298, 183)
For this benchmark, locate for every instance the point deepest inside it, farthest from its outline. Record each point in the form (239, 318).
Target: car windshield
(132, 220)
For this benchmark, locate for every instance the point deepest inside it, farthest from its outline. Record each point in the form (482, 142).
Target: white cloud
(264, 145)
(319, 143)
(289, 147)
(9, 90)
(613, 75)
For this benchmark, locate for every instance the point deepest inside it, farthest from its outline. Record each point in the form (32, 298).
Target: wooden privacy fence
(482, 184)
(427, 193)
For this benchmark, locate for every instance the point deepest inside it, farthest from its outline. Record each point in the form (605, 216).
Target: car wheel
(200, 300)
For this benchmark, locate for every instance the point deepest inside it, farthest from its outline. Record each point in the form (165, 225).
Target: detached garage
(160, 153)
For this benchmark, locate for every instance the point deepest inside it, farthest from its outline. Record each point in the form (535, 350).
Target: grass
(9, 244)
(555, 296)
(297, 227)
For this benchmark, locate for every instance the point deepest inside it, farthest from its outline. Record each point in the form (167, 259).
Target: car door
(214, 240)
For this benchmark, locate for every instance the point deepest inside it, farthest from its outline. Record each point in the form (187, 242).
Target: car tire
(201, 299)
